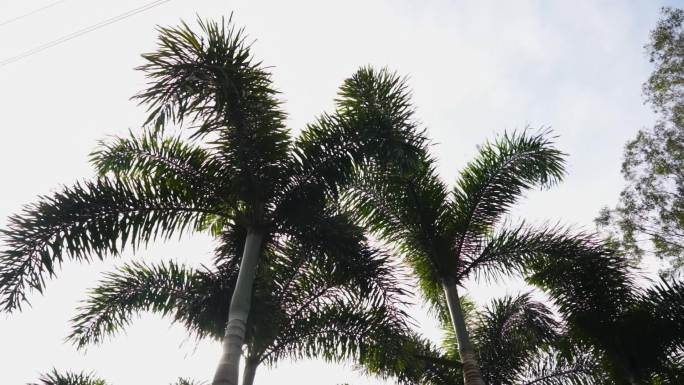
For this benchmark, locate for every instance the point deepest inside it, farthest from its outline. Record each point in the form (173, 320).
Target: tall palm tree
(240, 166)
(637, 332)
(517, 340)
(307, 303)
(450, 236)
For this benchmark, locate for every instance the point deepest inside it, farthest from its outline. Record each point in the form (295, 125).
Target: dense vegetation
(314, 231)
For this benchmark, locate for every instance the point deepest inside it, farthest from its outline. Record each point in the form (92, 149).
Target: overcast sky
(476, 68)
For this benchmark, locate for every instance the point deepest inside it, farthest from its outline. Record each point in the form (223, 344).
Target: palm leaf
(553, 368)
(591, 287)
(495, 180)
(194, 298)
(373, 121)
(412, 360)
(509, 332)
(168, 160)
(68, 378)
(94, 218)
(513, 247)
(212, 79)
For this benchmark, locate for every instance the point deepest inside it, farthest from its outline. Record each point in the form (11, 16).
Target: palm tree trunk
(228, 370)
(249, 371)
(471, 369)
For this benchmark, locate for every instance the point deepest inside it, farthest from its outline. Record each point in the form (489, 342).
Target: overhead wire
(83, 31)
(17, 18)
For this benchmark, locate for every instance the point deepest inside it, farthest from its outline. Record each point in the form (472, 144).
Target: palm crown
(450, 236)
(240, 167)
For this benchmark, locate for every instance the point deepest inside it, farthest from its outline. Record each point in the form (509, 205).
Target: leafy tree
(650, 213)
(307, 303)
(517, 341)
(240, 167)
(449, 236)
(637, 333)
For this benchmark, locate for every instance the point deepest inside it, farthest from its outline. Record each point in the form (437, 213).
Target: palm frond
(212, 79)
(549, 367)
(406, 209)
(661, 307)
(510, 330)
(511, 248)
(373, 121)
(334, 332)
(591, 286)
(495, 180)
(345, 295)
(671, 372)
(197, 299)
(412, 360)
(91, 219)
(168, 160)
(186, 381)
(665, 304)
(55, 377)
(364, 271)
(596, 294)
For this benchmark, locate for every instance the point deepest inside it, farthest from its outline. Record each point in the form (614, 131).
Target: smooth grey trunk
(249, 371)
(228, 370)
(471, 369)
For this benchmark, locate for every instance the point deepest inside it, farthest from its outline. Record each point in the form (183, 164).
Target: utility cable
(17, 18)
(83, 31)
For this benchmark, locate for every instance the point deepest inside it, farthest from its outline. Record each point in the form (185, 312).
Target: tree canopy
(650, 214)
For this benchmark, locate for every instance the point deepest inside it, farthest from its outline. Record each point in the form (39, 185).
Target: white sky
(476, 68)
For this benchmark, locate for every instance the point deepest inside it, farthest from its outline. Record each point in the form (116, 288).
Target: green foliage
(320, 291)
(213, 80)
(162, 160)
(450, 236)
(167, 288)
(555, 368)
(650, 214)
(411, 359)
(517, 341)
(509, 332)
(92, 219)
(68, 378)
(185, 381)
(495, 180)
(240, 169)
(55, 377)
(329, 301)
(635, 333)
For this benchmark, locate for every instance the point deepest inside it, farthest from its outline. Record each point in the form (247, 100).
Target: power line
(12, 20)
(83, 31)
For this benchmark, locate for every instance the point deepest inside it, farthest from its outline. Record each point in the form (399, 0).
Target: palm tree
(54, 377)
(240, 167)
(516, 339)
(637, 332)
(307, 303)
(448, 237)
